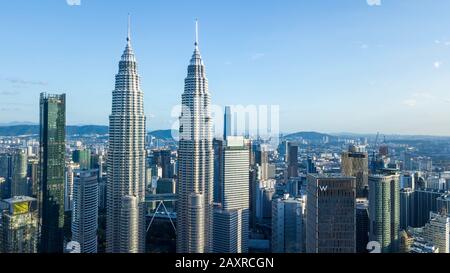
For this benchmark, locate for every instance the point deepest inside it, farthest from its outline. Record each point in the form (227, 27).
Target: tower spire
(196, 33)
(129, 29)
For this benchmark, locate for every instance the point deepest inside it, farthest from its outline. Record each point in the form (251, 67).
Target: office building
(288, 225)
(362, 225)
(52, 167)
(83, 158)
(425, 201)
(227, 123)
(5, 172)
(292, 163)
(19, 182)
(33, 175)
(85, 210)
(218, 165)
(68, 188)
(232, 210)
(384, 209)
(331, 214)
(19, 225)
(355, 163)
(407, 209)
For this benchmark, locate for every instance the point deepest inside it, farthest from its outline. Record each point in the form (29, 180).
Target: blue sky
(331, 65)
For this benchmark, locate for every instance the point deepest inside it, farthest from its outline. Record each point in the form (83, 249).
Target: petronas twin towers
(125, 223)
(125, 228)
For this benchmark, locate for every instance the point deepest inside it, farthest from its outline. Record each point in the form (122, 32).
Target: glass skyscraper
(52, 167)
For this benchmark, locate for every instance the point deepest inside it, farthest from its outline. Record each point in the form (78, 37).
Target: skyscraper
(288, 225)
(68, 189)
(292, 160)
(362, 225)
(5, 172)
(356, 163)
(407, 210)
(331, 214)
(384, 210)
(3, 188)
(126, 161)
(19, 184)
(231, 217)
(19, 226)
(196, 169)
(227, 123)
(52, 165)
(82, 157)
(85, 210)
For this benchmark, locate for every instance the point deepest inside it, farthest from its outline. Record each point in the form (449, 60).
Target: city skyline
(394, 68)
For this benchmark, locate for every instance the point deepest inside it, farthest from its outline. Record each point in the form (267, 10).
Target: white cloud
(410, 102)
(374, 2)
(424, 96)
(73, 2)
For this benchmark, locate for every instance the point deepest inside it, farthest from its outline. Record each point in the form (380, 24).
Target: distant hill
(88, 130)
(162, 134)
(20, 130)
(311, 136)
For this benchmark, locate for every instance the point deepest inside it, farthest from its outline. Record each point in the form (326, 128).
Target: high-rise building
(218, 165)
(288, 225)
(227, 123)
(3, 187)
(356, 163)
(292, 170)
(232, 213)
(425, 201)
(407, 211)
(5, 165)
(52, 166)
(407, 181)
(126, 161)
(85, 210)
(437, 231)
(19, 183)
(83, 158)
(384, 209)
(195, 163)
(5, 172)
(68, 188)
(331, 214)
(362, 225)
(163, 158)
(230, 230)
(253, 193)
(33, 175)
(262, 159)
(19, 225)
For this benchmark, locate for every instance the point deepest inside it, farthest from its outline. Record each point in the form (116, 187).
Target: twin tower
(125, 226)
